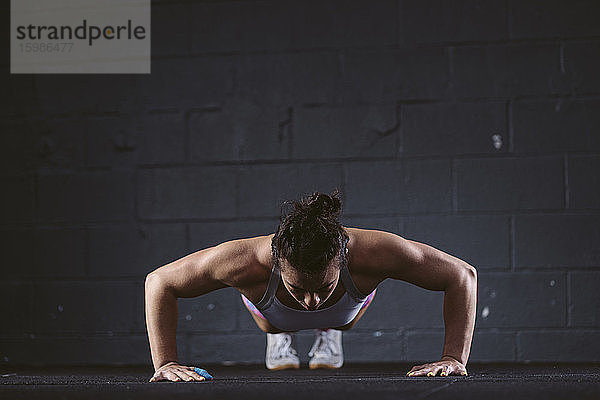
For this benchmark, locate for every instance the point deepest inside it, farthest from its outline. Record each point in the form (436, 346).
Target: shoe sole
(284, 366)
(325, 366)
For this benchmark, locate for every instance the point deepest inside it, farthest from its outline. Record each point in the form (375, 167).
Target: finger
(158, 377)
(172, 376)
(419, 372)
(195, 376)
(183, 374)
(433, 371)
(444, 371)
(419, 366)
(416, 368)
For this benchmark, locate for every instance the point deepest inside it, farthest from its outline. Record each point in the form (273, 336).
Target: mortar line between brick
(188, 238)
(398, 24)
(399, 138)
(454, 186)
(517, 347)
(511, 243)
(508, 20)
(562, 58)
(239, 171)
(290, 132)
(343, 177)
(568, 302)
(186, 136)
(510, 126)
(566, 182)
(451, 69)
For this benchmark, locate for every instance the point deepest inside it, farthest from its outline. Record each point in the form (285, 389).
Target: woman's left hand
(447, 366)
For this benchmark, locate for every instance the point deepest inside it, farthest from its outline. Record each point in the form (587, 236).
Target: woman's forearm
(161, 321)
(460, 307)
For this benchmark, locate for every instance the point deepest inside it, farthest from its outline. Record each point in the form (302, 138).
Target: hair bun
(320, 204)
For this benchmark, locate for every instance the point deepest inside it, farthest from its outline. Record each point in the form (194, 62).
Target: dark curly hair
(309, 236)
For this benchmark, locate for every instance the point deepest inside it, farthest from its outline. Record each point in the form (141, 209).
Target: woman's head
(307, 246)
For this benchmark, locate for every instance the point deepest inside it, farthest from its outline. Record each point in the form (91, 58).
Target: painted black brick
(414, 186)
(171, 26)
(341, 23)
(87, 93)
(17, 146)
(375, 76)
(559, 346)
(582, 61)
(84, 196)
(212, 312)
(541, 300)
(208, 234)
(553, 19)
(398, 304)
(242, 130)
(16, 301)
(507, 70)
(457, 128)
(332, 132)
(18, 90)
(485, 347)
(73, 349)
(557, 241)
(262, 188)
(373, 346)
(288, 79)
(59, 252)
(482, 241)
(188, 192)
(434, 21)
(219, 348)
(424, 346)
(59, 142)
(373, 187)
(584, 182)
(427, 186)
(240, 26)
(585, 299)
(16, 252)
(133, 250)
(125, 141)
(17, 207)
(185, 83)
(556, 126)
(61, 307)
(493, 346)
(510, 184)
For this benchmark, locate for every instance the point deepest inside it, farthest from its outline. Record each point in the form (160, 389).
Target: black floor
(353, 381)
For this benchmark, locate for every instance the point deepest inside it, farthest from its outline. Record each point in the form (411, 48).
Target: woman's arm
(392, 256)
(194, 275)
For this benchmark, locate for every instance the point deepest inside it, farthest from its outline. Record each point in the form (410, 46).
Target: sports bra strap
(269, 295)
(347, 279)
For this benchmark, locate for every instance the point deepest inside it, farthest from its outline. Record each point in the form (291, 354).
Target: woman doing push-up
(312, 273)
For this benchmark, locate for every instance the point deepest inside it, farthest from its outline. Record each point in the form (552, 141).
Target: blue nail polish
(204, 373)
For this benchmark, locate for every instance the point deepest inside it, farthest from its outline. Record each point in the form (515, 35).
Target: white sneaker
(280, 353)
(327, 350)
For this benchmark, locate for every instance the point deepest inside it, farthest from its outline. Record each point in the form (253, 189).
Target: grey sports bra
(290, 319)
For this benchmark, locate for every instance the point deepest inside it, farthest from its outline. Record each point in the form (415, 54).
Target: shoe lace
(323, 345)
(284, 346)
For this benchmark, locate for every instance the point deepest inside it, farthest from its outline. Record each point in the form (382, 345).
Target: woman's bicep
(205, 270)
(418, 263)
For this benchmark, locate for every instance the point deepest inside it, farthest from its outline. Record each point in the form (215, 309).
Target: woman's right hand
(175, 372)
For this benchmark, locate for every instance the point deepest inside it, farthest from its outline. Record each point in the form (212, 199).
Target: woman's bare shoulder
(364, 247)
(257, 267)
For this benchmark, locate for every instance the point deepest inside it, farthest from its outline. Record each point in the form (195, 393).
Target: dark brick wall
(472, 126)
